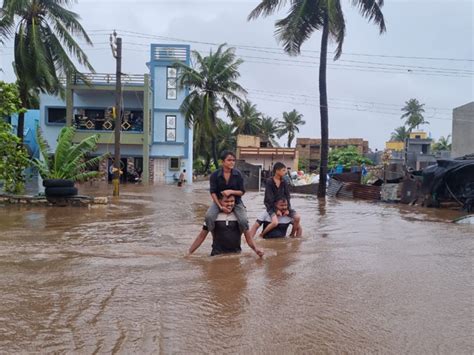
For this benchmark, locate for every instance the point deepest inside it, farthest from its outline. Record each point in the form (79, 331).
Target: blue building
(29, 133)
(155, 142)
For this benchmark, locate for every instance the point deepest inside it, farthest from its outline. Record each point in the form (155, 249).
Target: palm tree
(226, 139)
(213, 87)
(400, 134)
(247, 120)
(269, 129)
(43, 42)
(413, 112)
(442, 144)
(303, 19)
(289, 125)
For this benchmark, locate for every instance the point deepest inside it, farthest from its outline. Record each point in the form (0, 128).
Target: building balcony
(103, 121)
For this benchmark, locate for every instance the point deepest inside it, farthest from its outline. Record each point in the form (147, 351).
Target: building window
(171, 83)
(56, 115)
(174, 163)
(171, 128)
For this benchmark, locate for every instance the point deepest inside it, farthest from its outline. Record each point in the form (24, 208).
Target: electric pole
(116, 45)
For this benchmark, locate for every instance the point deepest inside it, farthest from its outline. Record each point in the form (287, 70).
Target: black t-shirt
(226, 236)
(218, 184)
(280, 230)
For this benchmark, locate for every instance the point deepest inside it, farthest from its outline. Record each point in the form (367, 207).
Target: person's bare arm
(198, 241)
(227, 193)
(252, 245)
(217, 202)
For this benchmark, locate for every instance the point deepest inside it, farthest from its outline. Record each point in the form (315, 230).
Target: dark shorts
(218, 251)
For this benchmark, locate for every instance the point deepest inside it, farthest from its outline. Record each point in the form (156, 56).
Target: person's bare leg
(296, 225)
(271, 226)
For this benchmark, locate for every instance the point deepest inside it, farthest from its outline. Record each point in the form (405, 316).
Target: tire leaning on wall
(60, 191)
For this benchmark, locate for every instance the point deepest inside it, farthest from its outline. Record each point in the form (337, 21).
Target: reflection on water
(364, 278)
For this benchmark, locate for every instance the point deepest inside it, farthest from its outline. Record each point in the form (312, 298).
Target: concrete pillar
(147, 176)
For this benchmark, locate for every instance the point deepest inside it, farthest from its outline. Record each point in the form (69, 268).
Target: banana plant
(69, 161)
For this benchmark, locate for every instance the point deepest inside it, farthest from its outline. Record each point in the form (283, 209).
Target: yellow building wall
(396, 146)
(248, 141)
(421, 134)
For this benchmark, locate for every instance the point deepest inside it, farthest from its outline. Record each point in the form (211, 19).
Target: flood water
(364, 278)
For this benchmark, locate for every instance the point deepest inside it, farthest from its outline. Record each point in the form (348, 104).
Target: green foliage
(303, 164)
(289, 125)
(213, 87)
(13, 160)
(442, 144)
(400, 134)
(10, 102)
(413, 113)
(248, 119)
(347, 157)
(69, 160)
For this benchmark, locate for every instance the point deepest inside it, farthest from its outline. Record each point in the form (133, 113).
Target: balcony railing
(107, 79)
(131, 122)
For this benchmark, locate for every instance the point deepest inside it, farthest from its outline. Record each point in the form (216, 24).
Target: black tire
(58, 183)
(60, 191)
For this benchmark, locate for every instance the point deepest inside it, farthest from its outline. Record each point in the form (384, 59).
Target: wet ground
(365, 278)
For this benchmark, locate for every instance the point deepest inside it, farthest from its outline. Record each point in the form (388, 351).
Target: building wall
(309, 148)
(267, 163)
(248, 141)
(99, 99)
(395, 146)
(162, 150)
(463, 130)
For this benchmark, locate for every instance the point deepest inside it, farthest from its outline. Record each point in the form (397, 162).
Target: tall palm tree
(269, 129)
(247, 119)
(44, 43)
(289, 125)
(413, 113)
(400, 134)
(213, 86)
(305, 17)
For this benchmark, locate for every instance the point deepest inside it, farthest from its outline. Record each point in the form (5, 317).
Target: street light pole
(116, 45)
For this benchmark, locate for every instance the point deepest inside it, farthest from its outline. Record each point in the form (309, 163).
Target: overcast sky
(426, 53)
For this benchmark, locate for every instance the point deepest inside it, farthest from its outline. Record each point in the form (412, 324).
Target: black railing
(132, 121)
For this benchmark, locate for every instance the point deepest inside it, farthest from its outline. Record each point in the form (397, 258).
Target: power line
(146, 35)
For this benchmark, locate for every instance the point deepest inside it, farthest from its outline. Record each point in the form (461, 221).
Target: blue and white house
(155, 142)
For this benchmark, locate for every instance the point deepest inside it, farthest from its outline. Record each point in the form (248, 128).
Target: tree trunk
(21, 117)
(323, 109)
(214, 140)
(21, 126)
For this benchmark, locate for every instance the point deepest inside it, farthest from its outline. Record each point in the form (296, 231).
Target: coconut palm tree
(303, 19)
(289, 125)
(442, 144)
(400, 134)
(226, 139)
(213, 86)
(44, 45)
(269, 129)
(247, 120)
(413, 113)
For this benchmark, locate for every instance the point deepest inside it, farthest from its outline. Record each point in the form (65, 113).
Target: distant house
(309, 149)
(419, 153)
(463, 130)
(155, 142)
(253, 150)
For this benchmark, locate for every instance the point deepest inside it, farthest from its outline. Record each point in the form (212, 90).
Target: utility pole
(116, 45)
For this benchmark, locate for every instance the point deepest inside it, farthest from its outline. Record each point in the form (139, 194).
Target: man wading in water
(226, 233)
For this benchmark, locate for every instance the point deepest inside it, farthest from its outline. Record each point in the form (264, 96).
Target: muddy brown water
(365, 278)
